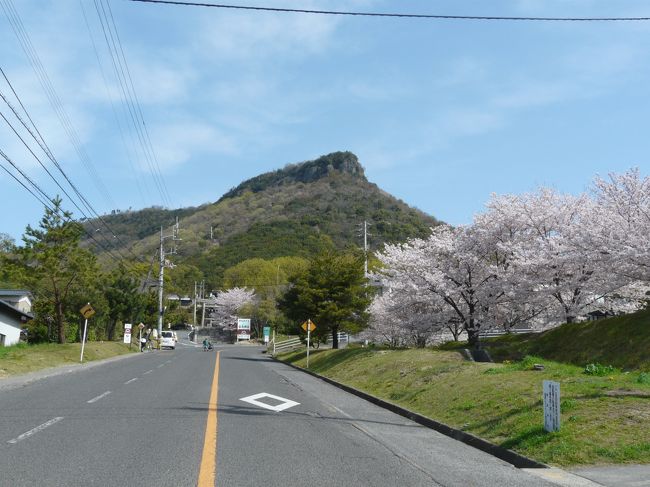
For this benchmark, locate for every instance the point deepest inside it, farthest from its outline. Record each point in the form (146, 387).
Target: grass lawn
(23, 358)
(622, 341)
(605, 419)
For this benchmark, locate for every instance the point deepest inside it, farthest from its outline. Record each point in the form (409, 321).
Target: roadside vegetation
(604, 418)
(603, 368)
(622, 342)
(23, 358)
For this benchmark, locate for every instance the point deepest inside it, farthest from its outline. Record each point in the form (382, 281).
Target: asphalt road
(141, 421)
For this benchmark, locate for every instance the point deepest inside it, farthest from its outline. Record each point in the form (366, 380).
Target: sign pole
(308, 337)
(83, 341)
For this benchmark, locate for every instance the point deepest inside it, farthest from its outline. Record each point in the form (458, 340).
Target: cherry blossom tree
(404, 316)
(620, 228)
(229, 302)
(454, 266)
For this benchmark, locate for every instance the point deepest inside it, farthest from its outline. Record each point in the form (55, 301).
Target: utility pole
(203, 307)
(194, 320)
(365, 248)
(161, 274)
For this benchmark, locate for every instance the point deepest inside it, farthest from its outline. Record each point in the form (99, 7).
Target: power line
(27, 178)
(45, 148)
(130, 97)
(114, 110)
(47, 198)
(399, 15)
(32, 55)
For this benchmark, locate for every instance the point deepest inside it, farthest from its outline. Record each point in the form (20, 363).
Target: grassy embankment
(23, 358)
(604, 418)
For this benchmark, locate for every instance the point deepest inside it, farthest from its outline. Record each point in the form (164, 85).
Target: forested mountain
(294, 211)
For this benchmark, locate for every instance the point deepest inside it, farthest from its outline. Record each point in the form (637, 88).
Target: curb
(513, 458)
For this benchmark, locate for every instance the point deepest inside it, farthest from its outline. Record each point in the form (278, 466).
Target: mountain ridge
(300, 209)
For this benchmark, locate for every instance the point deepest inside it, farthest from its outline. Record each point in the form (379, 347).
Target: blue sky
(440, 113)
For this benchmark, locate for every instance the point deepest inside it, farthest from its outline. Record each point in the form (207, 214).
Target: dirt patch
(627, 393)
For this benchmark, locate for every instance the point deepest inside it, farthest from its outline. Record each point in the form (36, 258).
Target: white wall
(12, 334)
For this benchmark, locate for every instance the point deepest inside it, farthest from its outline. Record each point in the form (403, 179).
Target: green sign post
(267, 334)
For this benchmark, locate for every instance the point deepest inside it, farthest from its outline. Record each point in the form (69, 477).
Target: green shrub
(527, 362)
(599, 370)
(644, 378)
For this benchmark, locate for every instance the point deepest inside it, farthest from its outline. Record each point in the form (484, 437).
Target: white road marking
(284, 404)
(35, 430)
(95, 399)
(148, 372)
(132, 380)
(160, 365)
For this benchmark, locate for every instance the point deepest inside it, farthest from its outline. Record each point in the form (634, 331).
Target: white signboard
(551, 405)
(127, 332)
(243, 329)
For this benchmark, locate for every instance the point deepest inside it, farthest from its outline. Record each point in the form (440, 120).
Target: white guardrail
(285, 345)
(498, 333)
(296, 343)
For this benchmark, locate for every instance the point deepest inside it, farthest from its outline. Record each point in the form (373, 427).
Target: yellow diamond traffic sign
(309, 324)
(87, 311)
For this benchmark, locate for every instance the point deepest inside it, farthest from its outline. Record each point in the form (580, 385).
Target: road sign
(267, 333)
(127, 332)
(309, 324)
(87, 311)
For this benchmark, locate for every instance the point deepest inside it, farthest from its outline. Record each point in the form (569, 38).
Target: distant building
(11, 322)
(20, 299)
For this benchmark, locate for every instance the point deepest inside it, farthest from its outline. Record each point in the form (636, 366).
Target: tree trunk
(111, 330)
(335, 337)
(420, 341)
(473, 339)
(60, 324)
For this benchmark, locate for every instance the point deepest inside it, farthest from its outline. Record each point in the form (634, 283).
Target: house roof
(6, 307)
(15, 292)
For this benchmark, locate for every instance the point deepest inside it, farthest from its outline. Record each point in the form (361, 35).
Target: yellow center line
(208, 470)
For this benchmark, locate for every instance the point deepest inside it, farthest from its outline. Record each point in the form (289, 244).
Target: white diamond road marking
(284, 404)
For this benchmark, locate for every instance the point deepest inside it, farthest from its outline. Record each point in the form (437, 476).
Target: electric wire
(114, 110)
(138, 105)
(129, 94)
(51, 200)
(127, 100)
(43, 145)
(24, 186)
(399, 15)
(34, 59)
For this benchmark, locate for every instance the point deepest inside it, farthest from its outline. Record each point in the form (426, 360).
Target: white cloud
(176, 143)
(243, 37)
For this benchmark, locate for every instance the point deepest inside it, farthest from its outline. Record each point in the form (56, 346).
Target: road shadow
(248, 359)
(294, 415)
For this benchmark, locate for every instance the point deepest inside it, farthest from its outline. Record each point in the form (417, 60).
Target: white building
(11, 322)
(18, 298)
